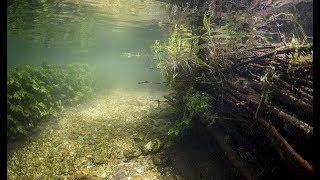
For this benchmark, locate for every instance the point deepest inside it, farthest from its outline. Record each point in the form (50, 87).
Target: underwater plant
(37, 92)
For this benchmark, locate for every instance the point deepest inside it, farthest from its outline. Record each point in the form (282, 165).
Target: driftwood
(286, 150)
(297, 126)
(296, 90)
(266, 56)
(270, 94)
(293, 102)
(295, 97)
(282, 146)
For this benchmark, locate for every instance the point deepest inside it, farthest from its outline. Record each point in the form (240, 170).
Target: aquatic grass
(37, 92)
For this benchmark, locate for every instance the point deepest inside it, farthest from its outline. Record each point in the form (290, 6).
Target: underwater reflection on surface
(112, 36)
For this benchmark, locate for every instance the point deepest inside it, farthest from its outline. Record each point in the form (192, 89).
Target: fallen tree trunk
(279, 97)
(293, 159)
(294, 103)
(282, 50)
(283, 146)
(299, 128)
(297, 91)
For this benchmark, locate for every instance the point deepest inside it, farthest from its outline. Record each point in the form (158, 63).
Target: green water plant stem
(36, 92)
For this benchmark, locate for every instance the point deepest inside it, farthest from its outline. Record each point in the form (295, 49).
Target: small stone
(60, 177)
(152, 146)
(103, 175)
(38, 177)
(131, 152)
(135, 102)
(121, 175)
(81, 174)
(148, 146)
(99, 160)
(157, 160)
(137, 177)
(13, 138)
(138, 138)
(139, 170)
(162, 159)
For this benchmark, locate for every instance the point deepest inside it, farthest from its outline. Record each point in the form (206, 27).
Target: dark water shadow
(199, 158)
(195, 157)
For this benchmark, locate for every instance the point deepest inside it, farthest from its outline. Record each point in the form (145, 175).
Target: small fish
(130, 55)
(143, 82)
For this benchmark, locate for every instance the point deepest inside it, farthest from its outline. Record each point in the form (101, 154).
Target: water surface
(114, 36)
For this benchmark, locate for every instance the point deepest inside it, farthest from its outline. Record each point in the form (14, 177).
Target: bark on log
(308, 90)
(295, 129)
(298, 127)
(297, 91)
(299, 106)
(297, 81)
(291, 101)
(303, 129)
(293, 159)
(282, 50)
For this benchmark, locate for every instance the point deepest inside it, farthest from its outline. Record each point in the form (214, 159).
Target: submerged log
(286, 151)
(298, 129)
(297, 91)
(301, 107)
(303, 130)
(294, 159)
(292, 102)
(308, 90)
(282, 50)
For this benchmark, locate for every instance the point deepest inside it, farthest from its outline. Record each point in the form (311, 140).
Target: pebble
(152, 146)
(131, 153)
(81, 174)
(162, 159)
(139, 170)
(99, 160)
(85, 138)
(103, 175)
(148, 146)
(137, 177)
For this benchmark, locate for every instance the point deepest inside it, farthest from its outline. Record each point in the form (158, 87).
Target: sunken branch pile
(248, 83)
(265, 98)
(263, 112)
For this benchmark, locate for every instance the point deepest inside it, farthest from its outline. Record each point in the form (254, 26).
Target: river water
(114, 36)
(103, 137)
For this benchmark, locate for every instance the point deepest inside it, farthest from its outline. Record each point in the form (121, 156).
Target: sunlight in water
(70, 21)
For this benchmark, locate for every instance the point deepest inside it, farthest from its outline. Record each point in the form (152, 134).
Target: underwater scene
(160, 89)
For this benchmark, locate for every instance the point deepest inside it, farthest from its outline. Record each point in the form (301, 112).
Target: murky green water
(113, 35)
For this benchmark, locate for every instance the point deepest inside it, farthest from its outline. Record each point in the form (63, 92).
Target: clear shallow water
(114, 36)
(90, 140)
